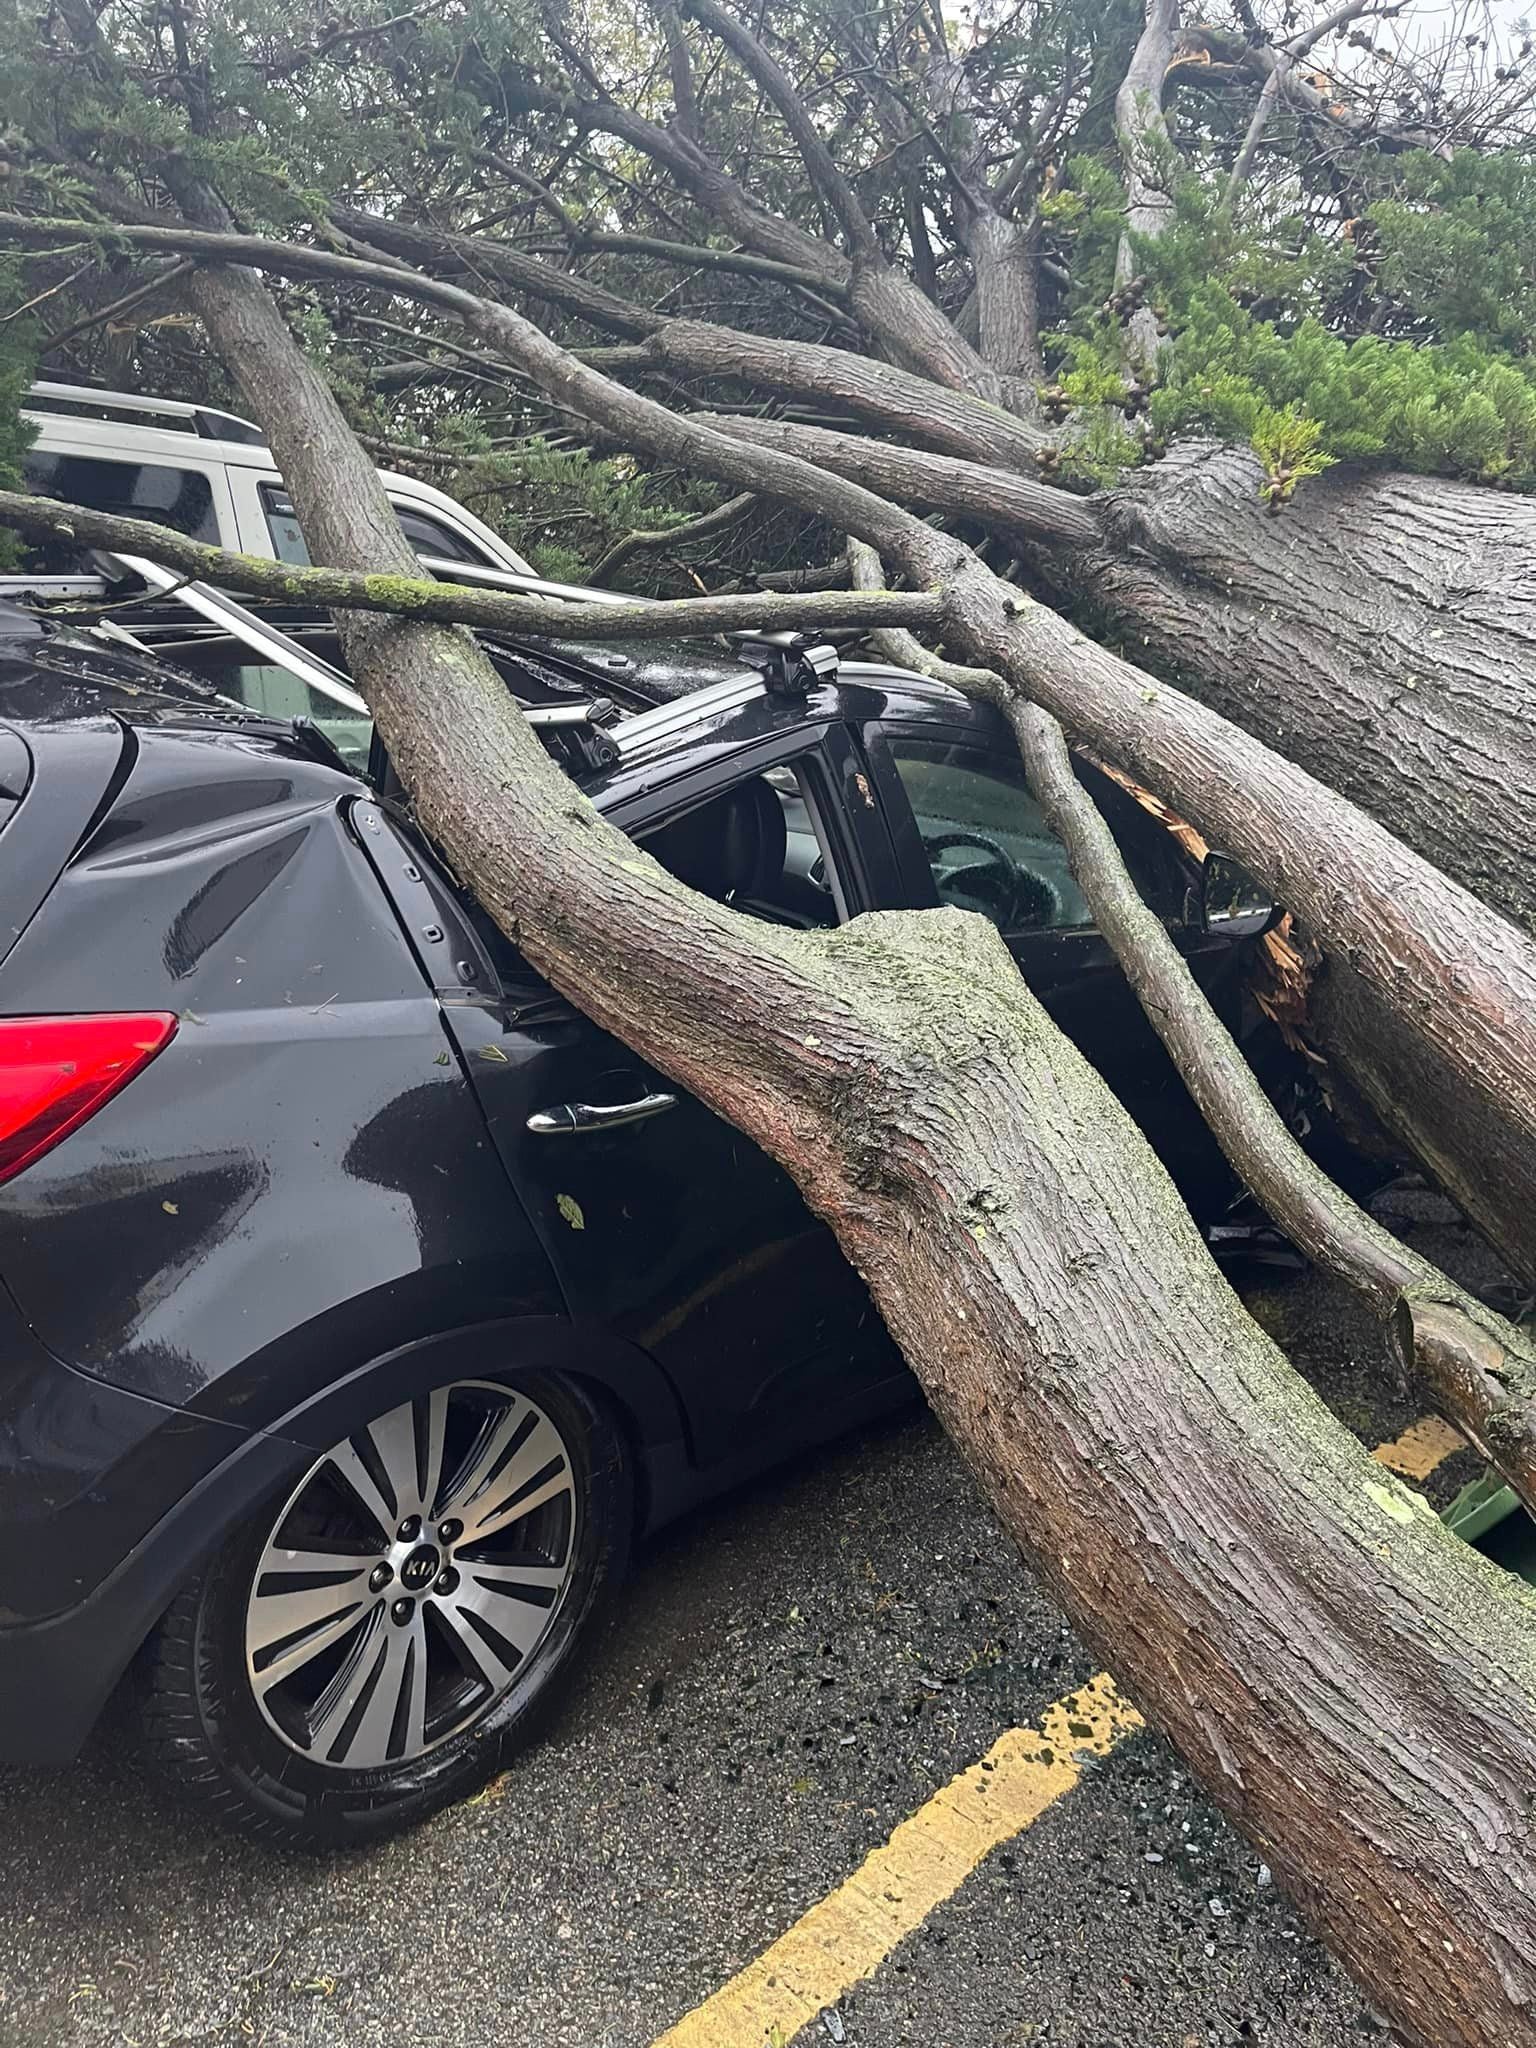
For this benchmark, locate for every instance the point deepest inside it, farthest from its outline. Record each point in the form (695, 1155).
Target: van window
(428, 536)
(179, 498)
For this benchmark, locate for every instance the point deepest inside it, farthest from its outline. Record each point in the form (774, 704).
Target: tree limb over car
(1306, 1648)
(423, 597)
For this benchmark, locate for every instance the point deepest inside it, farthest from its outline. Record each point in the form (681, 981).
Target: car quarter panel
(302, 1178)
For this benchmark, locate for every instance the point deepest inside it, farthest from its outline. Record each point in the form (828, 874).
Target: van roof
(173, 415)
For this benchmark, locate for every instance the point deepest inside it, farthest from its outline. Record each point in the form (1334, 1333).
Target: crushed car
(364, 1302)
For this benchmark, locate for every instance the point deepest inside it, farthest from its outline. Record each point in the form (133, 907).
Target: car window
(758, 846)
(179, 498)
(274, 692)
(986, 838)
(428, 536)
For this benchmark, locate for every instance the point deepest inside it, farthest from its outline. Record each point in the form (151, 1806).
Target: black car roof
(53, 673)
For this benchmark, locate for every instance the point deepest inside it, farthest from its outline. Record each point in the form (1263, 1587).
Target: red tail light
(57, 1071)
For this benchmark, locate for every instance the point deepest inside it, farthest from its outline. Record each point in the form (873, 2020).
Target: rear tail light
(57, 1071)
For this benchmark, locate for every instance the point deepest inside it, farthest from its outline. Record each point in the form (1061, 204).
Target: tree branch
(1281, 59)
(699, 257)
(479, 257)
(1480, 1370)
(1269, 92)
(458, 603)
(831, 186)
(998, 499)
(714, 189)
(645, 539)
(685, 112)
(130, 302)
(1142, 130)
(897, 401)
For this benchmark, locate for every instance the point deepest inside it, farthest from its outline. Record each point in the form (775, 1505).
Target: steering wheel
(995, 883)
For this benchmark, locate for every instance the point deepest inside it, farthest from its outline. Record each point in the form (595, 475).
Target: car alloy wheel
(411, 1573)
(382, 1638)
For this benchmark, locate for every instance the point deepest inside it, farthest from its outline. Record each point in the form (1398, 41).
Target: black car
(363, 1302)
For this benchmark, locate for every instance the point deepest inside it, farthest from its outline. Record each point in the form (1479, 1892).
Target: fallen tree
(1479, 1371)
(1042, 1278)
(1459, 980)
(1310, 1649)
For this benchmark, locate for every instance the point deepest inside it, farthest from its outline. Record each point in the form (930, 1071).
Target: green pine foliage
(1403, 338)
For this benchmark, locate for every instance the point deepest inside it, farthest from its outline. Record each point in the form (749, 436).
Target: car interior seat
(732, 848)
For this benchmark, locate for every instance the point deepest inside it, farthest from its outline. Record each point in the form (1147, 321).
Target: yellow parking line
(847, 1935)
(1422, 1448)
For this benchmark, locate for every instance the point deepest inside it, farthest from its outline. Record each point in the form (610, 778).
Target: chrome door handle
(565, 1117)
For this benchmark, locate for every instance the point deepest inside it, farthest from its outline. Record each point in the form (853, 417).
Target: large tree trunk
(1459, 979)
(1381, 632)
(1300, 1624)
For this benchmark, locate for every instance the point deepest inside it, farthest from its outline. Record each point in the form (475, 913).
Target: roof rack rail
(171, 415)
(592, 711)
(21, 585)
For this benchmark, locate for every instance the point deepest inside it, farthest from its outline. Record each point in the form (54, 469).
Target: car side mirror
(1233, 904)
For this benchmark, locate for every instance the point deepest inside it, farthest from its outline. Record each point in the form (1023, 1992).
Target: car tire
(393, 1715)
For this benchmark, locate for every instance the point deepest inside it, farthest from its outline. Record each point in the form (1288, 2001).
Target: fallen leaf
(570, 1209)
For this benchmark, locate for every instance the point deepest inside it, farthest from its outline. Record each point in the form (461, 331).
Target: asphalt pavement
(793, 1673)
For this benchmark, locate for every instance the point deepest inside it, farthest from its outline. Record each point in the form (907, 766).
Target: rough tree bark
(1309, 1647)
(1143, 137)
(1382, 633)
(1460, 982)
(1478, 1370)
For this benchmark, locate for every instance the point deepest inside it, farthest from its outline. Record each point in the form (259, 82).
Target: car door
(663, 1222)
(969, 833)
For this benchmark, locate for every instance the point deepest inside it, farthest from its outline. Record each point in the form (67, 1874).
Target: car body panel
(302, 1177)
(85, 1472)
(324, 1193)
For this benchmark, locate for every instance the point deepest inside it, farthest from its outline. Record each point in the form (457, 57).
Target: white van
(211, 475)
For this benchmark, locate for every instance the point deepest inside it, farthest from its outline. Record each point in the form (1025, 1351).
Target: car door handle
(565, 1117)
